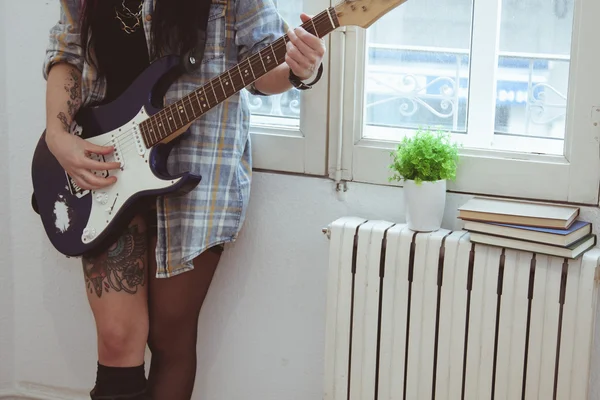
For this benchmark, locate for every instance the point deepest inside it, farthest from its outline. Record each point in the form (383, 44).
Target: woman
(149, 286)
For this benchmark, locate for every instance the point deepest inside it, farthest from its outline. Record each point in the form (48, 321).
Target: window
(289, 130)
(513, 80)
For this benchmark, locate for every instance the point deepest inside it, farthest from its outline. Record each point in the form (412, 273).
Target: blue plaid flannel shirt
(217, 146)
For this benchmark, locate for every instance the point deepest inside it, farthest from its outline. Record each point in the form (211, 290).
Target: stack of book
(543, 228)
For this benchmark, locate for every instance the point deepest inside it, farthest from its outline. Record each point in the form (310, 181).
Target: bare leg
(116, 283)
(174, 307)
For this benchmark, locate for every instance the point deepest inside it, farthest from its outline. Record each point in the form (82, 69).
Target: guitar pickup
(116, 155)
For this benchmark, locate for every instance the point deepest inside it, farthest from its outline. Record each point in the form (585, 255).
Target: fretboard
(174, 117)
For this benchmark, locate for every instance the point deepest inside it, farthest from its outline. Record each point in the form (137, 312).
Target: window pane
(417, 67)
(533, 70)
(283, 109)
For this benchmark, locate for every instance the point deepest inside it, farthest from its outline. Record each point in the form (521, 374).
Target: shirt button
(148, 17)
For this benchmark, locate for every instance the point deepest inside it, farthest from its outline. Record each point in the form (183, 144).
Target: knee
(121, 342)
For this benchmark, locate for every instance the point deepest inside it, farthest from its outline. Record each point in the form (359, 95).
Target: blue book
(557, 237)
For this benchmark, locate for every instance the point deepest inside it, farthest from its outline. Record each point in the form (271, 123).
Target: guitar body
(78, 221)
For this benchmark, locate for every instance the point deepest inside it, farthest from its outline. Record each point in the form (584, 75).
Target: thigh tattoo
(121, 268)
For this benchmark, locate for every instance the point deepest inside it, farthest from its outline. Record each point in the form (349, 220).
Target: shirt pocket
(216, 32)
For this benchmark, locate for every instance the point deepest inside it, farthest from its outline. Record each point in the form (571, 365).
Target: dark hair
(174, 25)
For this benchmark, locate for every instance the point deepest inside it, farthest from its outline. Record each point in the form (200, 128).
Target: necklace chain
(125, 13)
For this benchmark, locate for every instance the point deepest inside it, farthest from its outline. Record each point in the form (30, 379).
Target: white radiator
(434, 316)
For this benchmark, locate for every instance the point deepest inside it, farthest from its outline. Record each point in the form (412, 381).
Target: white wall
(6, 272)
(262, 327)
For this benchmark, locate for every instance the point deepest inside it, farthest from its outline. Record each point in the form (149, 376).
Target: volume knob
(102, 197)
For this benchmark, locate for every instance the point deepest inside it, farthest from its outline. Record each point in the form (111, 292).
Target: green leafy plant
(426, 157)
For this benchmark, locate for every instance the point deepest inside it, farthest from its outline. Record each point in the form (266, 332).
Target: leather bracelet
(298, 84)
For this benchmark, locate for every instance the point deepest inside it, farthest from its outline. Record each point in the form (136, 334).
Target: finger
(297, 56)
(94, 148)
(304, 17)
(96, 182)
(296, 68)
(312, 41)
(304, 48)
(81, 182)
(99, 165)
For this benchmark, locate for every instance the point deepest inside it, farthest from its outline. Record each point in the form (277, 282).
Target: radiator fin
(434, 316)
(393, 314)
(366, 310)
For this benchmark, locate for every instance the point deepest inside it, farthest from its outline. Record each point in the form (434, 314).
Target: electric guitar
(139, 127)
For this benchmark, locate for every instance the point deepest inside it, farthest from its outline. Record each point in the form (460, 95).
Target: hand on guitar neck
(72, 152)
(304, 54)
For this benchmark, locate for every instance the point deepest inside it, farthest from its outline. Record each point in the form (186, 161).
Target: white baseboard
(33, 391)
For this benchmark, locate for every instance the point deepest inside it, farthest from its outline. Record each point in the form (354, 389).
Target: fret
(206, 103)
(316, 33)
(334, 17)
(274, 55)
(198, 101)
(180, 111)
(222, 87)
(187, 117)
(159, 127)
(169, 118)
(269, 62)
(251, 69)
(150, 132)
(213, 90)
(165, 125)
(143, 125)
(156, 133)
(195, 106)
(330, 19)
(226, 82)
(241, 76)
(188, 108)
(233, 86)
(262, 61)
(176, 113)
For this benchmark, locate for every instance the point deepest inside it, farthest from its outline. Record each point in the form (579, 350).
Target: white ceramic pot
(425, 204)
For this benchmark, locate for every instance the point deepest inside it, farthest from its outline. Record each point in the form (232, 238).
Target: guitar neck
(180, 114)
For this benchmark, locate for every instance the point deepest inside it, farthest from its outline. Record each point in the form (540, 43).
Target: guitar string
(129, 142)
(187, 100)
(233, 72)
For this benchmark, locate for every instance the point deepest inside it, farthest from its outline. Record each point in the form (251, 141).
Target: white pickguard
(134, 177)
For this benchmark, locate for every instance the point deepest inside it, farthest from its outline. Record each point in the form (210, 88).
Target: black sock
(119, 381)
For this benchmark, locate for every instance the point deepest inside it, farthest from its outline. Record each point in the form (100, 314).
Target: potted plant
(425, 162)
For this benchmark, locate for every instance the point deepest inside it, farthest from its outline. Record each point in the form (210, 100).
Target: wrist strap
(298, 84)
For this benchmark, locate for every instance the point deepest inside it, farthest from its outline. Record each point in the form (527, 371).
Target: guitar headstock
(363, 13)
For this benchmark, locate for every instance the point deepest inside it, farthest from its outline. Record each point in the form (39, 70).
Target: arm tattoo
(73, 87)
(65, 121)
(121, 268)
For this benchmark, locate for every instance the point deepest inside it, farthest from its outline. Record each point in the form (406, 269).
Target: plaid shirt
(217, 146)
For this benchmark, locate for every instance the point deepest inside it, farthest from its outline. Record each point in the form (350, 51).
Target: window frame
(301, 150)
(571, 178)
